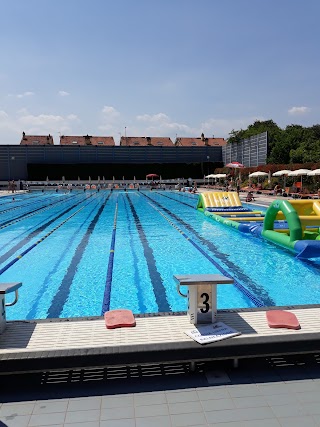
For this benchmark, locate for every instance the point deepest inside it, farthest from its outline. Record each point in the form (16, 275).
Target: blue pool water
(85, 251)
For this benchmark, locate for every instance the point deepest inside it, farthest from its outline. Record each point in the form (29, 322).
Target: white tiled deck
(82, 334)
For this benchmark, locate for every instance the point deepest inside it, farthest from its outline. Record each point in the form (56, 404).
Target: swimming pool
(85, 252)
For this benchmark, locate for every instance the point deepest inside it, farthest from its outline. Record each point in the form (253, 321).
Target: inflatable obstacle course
(302, 234)
(226, 207)
(294, 224)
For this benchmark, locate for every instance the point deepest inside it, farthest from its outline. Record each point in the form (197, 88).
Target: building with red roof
(36, 139)
(87, 140)
(199, 142)
(141, 141)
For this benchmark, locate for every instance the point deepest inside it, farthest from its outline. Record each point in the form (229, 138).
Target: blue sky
(156, 67)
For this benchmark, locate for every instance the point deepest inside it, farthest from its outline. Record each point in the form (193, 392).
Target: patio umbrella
(284, 173)
(220, 175)
(152, 175)
(211, 176)
(258, 174)
(299, 172)
(235, 165)
(314, 172)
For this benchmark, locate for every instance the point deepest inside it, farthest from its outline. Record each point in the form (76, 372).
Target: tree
(294, 144)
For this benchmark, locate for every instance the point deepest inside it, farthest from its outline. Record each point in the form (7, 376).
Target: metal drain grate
(118, 372)
(298, 360)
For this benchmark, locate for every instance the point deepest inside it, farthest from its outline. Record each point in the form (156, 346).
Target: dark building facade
(33, 162)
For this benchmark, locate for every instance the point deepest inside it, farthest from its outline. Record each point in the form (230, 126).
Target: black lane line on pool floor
(62, 293)
(35, 233)
(253, 287)
(181, 194)
(25, 230)
(175, 200)
(137, 279)
(107, 291)
(47, 281)
(22, 254)
(26, 215)
(155, 277)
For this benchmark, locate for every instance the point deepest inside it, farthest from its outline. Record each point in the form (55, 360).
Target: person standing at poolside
(238, 185)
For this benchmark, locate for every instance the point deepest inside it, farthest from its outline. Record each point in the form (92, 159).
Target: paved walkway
(263, 393)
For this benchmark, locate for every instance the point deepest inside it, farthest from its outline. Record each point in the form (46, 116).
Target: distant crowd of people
(193, 188)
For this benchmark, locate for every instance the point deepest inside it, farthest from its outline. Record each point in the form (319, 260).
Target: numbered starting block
(6, 288)
(202, 295)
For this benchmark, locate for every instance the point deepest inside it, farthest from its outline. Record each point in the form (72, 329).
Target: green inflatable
(294, 224)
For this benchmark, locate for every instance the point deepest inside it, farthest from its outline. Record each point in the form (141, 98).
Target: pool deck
(44, 345)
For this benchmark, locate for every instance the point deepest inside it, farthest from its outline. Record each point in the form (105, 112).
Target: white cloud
(110, 120)
(21, 95)
(45, 123)
(72, 117)
(11, 126)
(8, 128)
(3, 115)
(161, 125)
(63, 93)
(156, 118)
(298, 110)
(41, 120)
(110, 112)
(221, 128)
(22, 111)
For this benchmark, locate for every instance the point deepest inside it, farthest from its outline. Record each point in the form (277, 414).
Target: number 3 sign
(202, 295)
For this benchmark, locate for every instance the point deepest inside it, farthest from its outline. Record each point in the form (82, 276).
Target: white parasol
(314, 172)
(258, 174)
(284, 173)
(299, 172)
